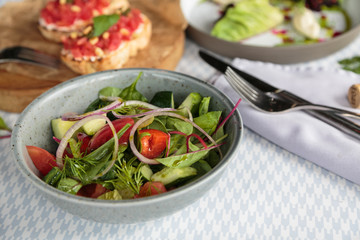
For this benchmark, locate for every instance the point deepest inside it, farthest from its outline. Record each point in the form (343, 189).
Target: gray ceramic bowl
(33, 128)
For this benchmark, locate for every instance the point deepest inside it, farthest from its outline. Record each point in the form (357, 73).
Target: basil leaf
(103, 22)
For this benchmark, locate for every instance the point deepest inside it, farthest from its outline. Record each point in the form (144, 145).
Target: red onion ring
(76, 117)
(64, 141)
(138, 123)
(144, 113)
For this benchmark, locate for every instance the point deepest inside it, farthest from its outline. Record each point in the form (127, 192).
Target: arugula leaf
(96, 104)
(204, 106)
(183, 160)
(103, 22)
(130, 92)
(69, 185)
(158, 125)
(351, 64)
(179, 125)
(177, 144)
(213, 159)
(208, 121)
(202, 167)
(109, 92)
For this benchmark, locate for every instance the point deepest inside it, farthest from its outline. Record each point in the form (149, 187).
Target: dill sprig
(128, 176)
(76, 167)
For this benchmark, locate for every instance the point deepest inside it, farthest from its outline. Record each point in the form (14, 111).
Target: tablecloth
(266, 193)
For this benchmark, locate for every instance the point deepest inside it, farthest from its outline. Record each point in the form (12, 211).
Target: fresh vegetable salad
(124, 146)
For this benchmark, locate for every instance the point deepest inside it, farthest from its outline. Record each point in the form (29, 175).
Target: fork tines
(240, 85)
(28, 55)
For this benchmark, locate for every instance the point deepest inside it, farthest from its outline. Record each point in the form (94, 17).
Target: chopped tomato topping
(66, 14)
(121, 31)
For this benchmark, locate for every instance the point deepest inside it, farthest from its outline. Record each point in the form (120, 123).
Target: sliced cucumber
(146, 172)
(91, 127)
(163, 99)
(60, 127)
(171, 175)
(53, 177)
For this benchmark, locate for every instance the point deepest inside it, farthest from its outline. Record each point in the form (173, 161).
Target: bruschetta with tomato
(61, 18)
(105, 45)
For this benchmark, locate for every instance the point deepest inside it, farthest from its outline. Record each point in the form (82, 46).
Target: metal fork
(267, 103)
(27, 55)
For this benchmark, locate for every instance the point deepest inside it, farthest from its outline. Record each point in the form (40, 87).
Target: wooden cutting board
(22, 83)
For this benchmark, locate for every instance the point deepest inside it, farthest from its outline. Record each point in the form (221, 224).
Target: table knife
(341, 123)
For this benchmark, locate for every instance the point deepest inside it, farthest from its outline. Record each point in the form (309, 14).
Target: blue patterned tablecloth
(266, 193)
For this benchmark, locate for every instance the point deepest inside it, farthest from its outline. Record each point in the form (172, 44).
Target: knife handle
(330, 118)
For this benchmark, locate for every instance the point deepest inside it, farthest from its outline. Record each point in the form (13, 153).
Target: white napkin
(297, 131)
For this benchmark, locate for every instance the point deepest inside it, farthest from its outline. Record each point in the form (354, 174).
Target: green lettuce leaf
(246, 19)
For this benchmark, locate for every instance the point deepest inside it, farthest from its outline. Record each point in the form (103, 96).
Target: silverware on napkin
(269, 103)
(330, 118)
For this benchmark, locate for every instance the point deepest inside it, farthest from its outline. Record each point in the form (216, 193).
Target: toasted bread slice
(106, 59)
(56, 31)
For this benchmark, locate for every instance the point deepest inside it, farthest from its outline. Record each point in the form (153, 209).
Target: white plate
(202, 15)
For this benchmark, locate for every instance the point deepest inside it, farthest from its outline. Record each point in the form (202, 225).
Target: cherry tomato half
(153, 142)
(105, 134)
(92, 190)
(150, 189)
(85, 139)
(42, 159)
